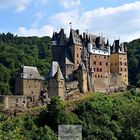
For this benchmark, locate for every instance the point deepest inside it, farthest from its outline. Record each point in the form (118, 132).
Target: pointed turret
(107, 43)
(57, 75)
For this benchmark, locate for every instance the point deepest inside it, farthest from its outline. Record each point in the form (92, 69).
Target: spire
(57, 75)
(107, 44)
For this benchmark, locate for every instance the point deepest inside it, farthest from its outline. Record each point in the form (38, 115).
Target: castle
(80, 63)
(91, 60)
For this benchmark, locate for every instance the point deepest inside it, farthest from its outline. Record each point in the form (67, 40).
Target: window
(101, 76)
(121, 69)
(104, 56)
(120, 63)
(116, 64)
(125, 69)
(100, 70)
(100, 63)
(94, 69)
(106, 63)
(98, 76)
(77, 55)
(94, 62)
(97, 69)
(125, 63)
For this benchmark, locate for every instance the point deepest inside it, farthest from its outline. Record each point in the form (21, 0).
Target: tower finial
(70, 23)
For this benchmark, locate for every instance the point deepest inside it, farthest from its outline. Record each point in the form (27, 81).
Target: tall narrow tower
(56, 84)
(118, 60)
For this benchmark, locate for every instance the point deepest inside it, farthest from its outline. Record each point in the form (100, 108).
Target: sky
(115, 19)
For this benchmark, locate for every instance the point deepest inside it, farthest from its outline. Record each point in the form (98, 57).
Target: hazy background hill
(34, 51)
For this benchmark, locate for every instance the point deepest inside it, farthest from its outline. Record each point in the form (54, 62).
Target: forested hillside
(134, 62)
(16, 51)
(103, 117)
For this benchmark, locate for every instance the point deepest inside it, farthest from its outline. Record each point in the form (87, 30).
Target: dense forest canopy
(34, 51)
(16, 51)
(134, 62)
(102, 117)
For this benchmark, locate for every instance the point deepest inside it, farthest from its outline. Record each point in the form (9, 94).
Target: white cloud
(122, 21)
(69, 3)
(46, 30)
(20, 5)
(113, 22)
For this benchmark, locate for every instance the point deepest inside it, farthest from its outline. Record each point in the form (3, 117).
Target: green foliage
(134, 61)
(138, 83)
(16, 51)
(110, 117)
(25, 129)
(57, 115)
(103, 117)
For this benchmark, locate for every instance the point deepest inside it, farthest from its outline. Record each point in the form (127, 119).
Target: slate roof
(115, 47)
(66, 58)
(29, 72)
(98, 42)
(54, 70)
(59, 38)
(118, 48)
(74, 38)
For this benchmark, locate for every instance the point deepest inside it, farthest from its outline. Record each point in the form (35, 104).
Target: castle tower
(99, 62)
(82, 78)
(118, 60)
(58, 44)
(28, 82)
(75, 45)
(56, 84)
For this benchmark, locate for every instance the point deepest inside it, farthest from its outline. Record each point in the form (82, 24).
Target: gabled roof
(74, 37)
(59, 38)
(118, 48)
(98, 42)
(29, 72)
(54, 70)
(115, 47)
